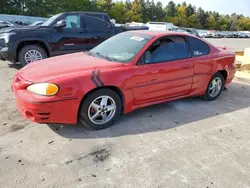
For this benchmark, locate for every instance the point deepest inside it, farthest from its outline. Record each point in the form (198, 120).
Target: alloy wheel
(32, 55)
(215, 87)
(101, 110)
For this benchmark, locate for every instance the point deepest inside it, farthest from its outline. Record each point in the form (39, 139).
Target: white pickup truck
(161, 26)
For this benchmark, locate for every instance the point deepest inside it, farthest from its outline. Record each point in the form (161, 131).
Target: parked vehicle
(235, 35)
(20, 20)
(181, 30)
(242, 35)
(218, 34)
(191, 31)
(157, 26)
(161, 26)
(135, 24)
(37, 23)
(4, 24)
(131, 27)
(61, 34)
(227, 34)
(95, 87)
(204, 34)
(21, 23)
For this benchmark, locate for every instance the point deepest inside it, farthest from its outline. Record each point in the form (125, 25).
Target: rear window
(198, 47)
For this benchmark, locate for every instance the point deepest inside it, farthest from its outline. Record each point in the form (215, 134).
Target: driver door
(71, 38)
(167, 71)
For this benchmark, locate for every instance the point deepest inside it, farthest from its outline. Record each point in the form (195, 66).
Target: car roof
(161, 33)
(83, 12)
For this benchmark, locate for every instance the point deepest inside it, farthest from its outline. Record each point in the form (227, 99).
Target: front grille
(44, 116)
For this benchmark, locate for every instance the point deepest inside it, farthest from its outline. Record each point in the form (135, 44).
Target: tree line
(182, 15)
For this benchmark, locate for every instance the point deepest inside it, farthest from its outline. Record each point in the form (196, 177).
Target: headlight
(2, 42)
(47, 89)
(6, 37)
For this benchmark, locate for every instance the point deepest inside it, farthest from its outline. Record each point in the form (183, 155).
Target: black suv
(61, 34)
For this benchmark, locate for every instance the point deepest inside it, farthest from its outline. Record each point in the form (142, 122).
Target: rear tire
(94, 106)
(215, 87)
(31, 53)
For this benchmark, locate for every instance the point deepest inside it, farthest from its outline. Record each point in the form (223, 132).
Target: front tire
(100, 109)
(215, 87)
(31, 53)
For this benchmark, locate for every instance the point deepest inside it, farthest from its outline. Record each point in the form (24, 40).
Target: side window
(95, 22)
(198, 47)
(167, 49)
(73, 21)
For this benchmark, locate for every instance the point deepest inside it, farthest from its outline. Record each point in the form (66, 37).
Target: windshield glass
(50, 20)
(122, 47)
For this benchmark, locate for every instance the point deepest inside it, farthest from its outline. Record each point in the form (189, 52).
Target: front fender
(39, 39)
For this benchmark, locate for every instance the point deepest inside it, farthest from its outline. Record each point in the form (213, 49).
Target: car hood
(59, 66)
(18, 28)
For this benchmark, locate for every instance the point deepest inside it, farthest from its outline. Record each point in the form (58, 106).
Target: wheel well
(114, 88)
(34, 42)
(224, 74)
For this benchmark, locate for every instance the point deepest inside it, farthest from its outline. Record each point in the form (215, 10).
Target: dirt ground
(186, 143)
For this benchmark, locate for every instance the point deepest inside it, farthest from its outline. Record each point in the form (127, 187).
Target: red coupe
(128, 71)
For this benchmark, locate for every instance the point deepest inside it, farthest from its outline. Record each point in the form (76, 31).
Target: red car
(128, 71)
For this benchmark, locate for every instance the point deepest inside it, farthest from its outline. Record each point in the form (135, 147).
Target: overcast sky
(221, 6)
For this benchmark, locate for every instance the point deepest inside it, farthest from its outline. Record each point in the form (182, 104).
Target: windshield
(122, 47)
(49, 21)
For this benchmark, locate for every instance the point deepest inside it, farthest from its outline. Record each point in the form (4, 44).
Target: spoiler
(222, 47)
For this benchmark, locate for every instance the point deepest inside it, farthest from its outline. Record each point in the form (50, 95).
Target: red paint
(140, 85)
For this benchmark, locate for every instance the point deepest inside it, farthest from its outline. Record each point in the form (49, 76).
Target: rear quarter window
(198, 47)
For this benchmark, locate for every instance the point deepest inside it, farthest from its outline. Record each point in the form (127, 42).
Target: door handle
(95, 37)
(187, 66)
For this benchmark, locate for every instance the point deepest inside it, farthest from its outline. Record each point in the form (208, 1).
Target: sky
(221, 6)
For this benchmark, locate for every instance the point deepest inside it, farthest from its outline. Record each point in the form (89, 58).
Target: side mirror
(60, 24)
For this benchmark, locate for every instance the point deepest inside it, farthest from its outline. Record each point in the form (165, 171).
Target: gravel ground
(185, 143)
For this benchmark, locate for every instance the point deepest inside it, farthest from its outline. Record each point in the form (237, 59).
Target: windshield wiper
(90, 53)
(100, 55)
(104, 56)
